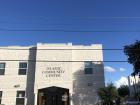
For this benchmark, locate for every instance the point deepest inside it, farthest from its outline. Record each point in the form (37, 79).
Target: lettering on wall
(53, 72)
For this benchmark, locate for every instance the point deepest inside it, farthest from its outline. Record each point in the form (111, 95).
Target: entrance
(53, 96)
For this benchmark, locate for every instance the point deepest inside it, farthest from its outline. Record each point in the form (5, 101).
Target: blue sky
(74, 15)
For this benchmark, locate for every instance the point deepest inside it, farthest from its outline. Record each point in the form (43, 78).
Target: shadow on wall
(31, 76)
(85, 86)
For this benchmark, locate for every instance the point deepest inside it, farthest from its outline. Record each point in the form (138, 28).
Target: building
(134, 84)
(51, 74)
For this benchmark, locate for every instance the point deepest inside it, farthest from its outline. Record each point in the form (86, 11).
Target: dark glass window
(88, 67)
(2, 68)
(20, 93)
(20, 100)
(22, 68)
(89, 84)
(0, 96)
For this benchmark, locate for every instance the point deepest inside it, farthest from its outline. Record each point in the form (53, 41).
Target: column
(35, 98)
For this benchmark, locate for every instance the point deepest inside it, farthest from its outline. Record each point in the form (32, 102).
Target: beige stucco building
(51, 74)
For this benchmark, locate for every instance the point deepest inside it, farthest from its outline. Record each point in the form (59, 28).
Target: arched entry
(53, 96)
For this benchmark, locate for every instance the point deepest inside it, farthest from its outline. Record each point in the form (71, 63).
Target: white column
(71, 99)
(35, 98)
(25, 101)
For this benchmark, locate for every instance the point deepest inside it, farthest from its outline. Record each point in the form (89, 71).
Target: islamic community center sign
(53, 72)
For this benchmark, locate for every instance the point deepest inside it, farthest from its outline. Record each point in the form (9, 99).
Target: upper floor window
(22, 68)
(0, 96)
(2, 68)
(20, 98)
(88, 67)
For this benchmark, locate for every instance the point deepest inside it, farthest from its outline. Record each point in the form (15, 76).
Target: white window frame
(90, 67)
(22, 68)
(1, 97)
(24, 97)
(3, 68)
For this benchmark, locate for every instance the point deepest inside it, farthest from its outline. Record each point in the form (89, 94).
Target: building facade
(51, 74)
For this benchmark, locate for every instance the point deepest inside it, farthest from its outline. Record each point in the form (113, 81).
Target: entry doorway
(53, 96)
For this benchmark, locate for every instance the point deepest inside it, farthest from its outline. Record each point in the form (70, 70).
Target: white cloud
(122, 81)
(109, 69)
(122, 69)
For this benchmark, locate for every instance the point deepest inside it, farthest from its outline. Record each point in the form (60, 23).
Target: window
(2, 68)
(89, 84)
(20, 100)
(0, 96)
(22, 68)
(88, 67)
